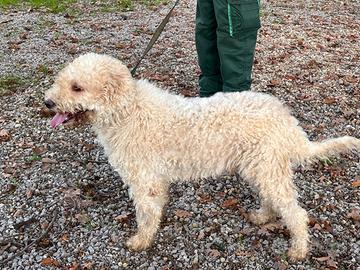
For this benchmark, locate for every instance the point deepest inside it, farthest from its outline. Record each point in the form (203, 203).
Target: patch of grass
(90, 225)
(14, 181)
(127, 5)
(120, 5)
(152, 3)
(42, 69)
(328, 162)
(33, 157)
(9, 83)
(54, 6)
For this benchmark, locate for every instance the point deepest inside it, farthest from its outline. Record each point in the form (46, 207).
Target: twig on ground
(6, 21)
(24, 223)
(56, 211)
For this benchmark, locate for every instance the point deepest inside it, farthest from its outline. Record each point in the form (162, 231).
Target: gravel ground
(61, 204)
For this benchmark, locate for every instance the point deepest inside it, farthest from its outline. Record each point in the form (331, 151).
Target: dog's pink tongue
(58, 119)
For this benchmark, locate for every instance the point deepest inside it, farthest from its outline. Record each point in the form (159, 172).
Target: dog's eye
(76, 88)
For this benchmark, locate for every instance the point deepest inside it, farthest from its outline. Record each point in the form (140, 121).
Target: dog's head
(87, 87)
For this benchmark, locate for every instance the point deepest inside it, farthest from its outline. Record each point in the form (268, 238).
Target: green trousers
(225, 34)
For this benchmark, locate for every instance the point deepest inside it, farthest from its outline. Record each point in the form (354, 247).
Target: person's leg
(238, 23)
(206, 45)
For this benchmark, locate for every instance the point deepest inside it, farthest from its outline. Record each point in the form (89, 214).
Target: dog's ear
(118, 84)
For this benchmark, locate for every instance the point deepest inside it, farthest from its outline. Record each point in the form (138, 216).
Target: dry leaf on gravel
(269, 228)
(29, 193)
(88, 265)
(50, 262)
(329, 261)
(356, 183)
(354, 214)
(214, 253)
(4, 135)
(201, 235)
(204, 198)
(65, 238)
(74, 266)
(82, 218)
(329, 100)
(274, 82)
(9, 188)
(323, 259)
(39, 150)
(122, 218)
(182, 213)
(242, 253)
(48, 160)
(230, 203)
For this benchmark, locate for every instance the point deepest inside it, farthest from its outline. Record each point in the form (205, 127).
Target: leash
(155, 37)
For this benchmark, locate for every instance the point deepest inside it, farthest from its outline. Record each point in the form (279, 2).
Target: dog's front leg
(149, 203)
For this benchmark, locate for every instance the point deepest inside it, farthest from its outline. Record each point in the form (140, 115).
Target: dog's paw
(297, 254)
(137, 243)
(259, 218)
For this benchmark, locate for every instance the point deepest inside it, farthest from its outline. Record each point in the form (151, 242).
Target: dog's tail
(328, 148)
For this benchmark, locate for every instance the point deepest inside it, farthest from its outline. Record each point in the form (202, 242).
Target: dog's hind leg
(283, 196)
(279, 195)
(149, 203)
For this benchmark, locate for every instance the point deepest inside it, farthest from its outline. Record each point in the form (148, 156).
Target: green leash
(155, 37)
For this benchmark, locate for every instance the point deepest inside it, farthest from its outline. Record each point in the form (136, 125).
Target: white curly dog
(153, 138)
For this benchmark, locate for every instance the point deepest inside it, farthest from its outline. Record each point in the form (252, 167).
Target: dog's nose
(49, 103)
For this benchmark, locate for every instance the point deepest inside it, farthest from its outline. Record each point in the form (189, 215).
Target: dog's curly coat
(153, 138)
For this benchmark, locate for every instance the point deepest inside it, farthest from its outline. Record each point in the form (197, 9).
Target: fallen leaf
(268, 228)
(356, 183)
(247, 231)
(39, 150)
(281, 265)
(188, 93)
(323, 259)
(290, 77)
(82, 218)
(72, 49)
(29, 193)
(45, 242)
(74, 266)
(354, 214)
(243, 253)
(50, 262)
(89, 146)
(114, 238)
(161, 78)
(229, 203)
(122, 218)
(88, 265)
(65, 238)
(204, 198)
(329, 100)
(351, 79)
(274, 82)
(182, 213)
(44, 225)
(48, 160)
(214, 252)
(10, 188)
(201, 235)
(332, 264)
(4, 135)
